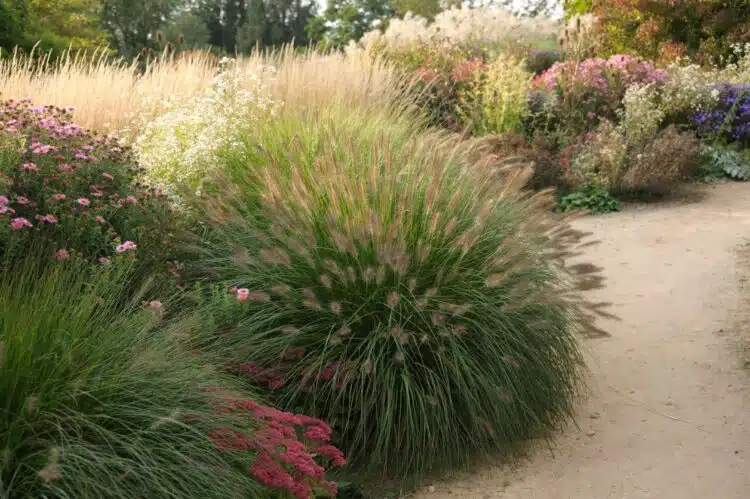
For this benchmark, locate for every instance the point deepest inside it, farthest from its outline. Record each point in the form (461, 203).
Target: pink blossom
(127, 245)
(107, 176)
(100, 220)
(155, 304)
(104, 260)
(65, 167)
(4, 199)
(50, 219)
(22, 200)
(20, 223)
(243, 294)
(58, 197)
(62, 255)
(83, 201)
(30, 167)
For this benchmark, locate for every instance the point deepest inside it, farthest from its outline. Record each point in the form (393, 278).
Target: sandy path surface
(669, 413)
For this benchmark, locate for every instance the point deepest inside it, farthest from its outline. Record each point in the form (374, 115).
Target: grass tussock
(391, 282)
(98, 398)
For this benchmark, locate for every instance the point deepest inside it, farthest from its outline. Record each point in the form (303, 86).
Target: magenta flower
(23, 200)
(4, 200)
(50, 219)
(62, 255)
(20, 223)
(83, 201)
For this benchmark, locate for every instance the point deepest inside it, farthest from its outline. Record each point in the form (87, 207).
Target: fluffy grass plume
(98, 400)
(116, 96)
(393, 283)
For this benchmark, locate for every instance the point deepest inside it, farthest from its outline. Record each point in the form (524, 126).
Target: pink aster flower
(243, 294)
(20, 223)
(22, 200)
(127, 245)
(30, 167)
(65, 167)
(50, 219)
(58, 197)
(83, 201)
(62, 255)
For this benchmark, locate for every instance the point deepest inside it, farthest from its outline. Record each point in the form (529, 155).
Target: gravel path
(669, 414)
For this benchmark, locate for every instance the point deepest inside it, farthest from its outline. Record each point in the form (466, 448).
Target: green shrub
(390, 286)
(593, 199)
(74, 192)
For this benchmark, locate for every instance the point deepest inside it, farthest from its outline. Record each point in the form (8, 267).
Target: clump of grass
(390, 282)
(98, 398)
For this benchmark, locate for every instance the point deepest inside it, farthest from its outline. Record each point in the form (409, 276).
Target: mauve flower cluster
(65, 186)
(290, 450)
(730, 118)
(599, 73)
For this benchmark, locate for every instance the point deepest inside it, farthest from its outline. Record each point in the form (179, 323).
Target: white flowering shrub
(182, 147)
(641, 114)
(485, 24)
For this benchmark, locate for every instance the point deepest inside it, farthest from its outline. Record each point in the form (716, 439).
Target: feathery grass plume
(95, 394)
(406, 360)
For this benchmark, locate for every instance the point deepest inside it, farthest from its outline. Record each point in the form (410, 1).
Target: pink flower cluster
(78, 185)
(288, 448)
(598, 73)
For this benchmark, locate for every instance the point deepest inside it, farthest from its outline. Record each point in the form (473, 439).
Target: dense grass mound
(396, 288)
(97, 400)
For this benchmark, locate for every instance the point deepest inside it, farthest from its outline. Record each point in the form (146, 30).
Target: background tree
(131, 24)
(188, 24)
(271, 23)
(13, 24)
(223, 19)
(351, 19)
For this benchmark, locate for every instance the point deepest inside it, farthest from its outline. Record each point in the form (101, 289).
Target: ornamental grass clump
(398, 287)
(100, 396)
(96, 400)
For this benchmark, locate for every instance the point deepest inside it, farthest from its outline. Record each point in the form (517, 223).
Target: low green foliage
(388, 284)
(730, 162)
(592, 198)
